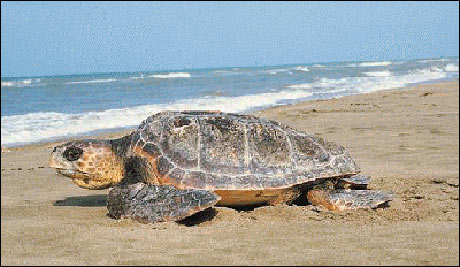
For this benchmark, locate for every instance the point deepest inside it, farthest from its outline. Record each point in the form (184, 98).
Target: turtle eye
(72, 153)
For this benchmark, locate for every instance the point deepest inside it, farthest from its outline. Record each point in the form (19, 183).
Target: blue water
(36, 109)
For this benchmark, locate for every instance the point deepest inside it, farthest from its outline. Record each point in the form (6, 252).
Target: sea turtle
(178, 163)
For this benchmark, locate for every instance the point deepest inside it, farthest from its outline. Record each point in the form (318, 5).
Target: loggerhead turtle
(178, 163)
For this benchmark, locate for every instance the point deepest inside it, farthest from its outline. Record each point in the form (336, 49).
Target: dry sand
(406, 139)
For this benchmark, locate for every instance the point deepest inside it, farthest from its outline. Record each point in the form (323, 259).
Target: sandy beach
(406, 139)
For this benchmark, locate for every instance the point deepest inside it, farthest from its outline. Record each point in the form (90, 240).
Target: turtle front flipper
(342, 200)
(157, 203)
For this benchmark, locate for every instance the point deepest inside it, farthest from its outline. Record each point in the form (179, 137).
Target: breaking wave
(300, 68)
(35, 127)
(375, 64)
(23, 83)
(94, 81)
(381, 81)
(451, 67)
(172, 75)
(383, 73)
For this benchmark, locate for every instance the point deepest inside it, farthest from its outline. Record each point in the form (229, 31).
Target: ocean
(48, 108)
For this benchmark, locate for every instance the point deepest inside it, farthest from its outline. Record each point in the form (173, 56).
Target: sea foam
(383, 73)
(451, 67)
(137, 77)
(94, 81)
(300, 68)
(375, 64)
(172, 75)
(23, 83)
(433, 60)
(381, 81)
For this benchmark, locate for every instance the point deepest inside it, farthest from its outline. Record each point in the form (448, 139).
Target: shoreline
(106, 134)
(405, 139)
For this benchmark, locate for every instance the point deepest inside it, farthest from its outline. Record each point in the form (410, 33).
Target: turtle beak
(52, 163)
(61, 165)
(56, 158)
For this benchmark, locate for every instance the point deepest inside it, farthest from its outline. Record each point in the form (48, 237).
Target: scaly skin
(157, 203)
(92, 164)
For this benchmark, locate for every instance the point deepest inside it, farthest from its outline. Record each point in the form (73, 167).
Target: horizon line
(203, 68)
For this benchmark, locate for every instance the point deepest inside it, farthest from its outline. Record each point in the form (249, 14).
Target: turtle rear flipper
(157, 203)
(358, 181)
(341, 200)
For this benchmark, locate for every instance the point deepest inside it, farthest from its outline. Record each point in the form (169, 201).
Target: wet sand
(406, 139)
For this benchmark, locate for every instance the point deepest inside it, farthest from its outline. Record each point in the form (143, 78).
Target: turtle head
(92, 164)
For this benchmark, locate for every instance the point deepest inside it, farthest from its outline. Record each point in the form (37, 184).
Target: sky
(59, 38)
